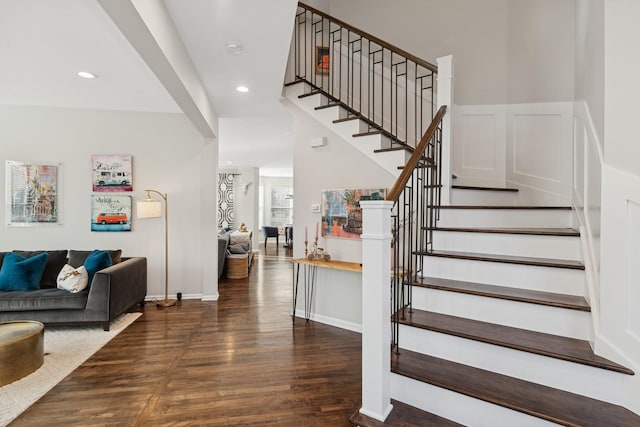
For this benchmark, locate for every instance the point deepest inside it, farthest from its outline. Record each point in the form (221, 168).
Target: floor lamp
(151, 208)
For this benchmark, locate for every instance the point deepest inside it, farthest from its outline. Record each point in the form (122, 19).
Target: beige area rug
(65, 349)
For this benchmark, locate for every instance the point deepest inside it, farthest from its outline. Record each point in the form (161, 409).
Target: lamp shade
(149, 209)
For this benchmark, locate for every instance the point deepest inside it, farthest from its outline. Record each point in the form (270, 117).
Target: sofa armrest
(115, 289)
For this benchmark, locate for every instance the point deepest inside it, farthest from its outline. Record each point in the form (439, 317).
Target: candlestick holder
(306, 252)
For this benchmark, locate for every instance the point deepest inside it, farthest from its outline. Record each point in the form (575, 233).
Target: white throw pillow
(72, 279)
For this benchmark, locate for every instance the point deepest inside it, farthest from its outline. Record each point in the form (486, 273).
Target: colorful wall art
(111, 173)
(110, 212)
(341, 213)
(31, 196)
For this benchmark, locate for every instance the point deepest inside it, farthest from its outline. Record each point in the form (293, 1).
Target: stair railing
(387, 88)
(416, 195)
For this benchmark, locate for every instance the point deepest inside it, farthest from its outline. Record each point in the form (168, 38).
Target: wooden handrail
(398, 187)
(374, 39)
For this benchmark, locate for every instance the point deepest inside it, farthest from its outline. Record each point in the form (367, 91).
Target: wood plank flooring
(237, 361)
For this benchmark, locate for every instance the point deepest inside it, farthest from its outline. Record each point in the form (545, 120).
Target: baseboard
(331, 321)
(202, 297)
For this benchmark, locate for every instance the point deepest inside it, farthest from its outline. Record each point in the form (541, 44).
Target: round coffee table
(21, 349)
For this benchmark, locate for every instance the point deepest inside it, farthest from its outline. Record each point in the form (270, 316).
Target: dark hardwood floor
(237, 361)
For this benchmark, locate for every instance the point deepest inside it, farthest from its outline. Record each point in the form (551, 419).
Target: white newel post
(376, 310)
(445, 97)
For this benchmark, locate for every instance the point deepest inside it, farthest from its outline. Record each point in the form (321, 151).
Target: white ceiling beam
(149, 28)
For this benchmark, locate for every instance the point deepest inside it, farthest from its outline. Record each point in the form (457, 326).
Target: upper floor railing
(389, 89)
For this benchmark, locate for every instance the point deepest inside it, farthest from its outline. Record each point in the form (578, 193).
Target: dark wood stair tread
(480, 188)
(572, 302)
(330, 105)
(396, 148)
(295, 82)
(568, 232)
(368, 133)
(304, 95)
(403, 415)
(558, 347)
(346, 119)
(514, 207)
(540, 401)
(508, 259)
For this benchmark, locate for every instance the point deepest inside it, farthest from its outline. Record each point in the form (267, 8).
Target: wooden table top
(339, 265)
(335, 265)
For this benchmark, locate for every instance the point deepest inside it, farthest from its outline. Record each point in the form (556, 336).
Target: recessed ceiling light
(234, 47)
(242, 89)
(86, 75)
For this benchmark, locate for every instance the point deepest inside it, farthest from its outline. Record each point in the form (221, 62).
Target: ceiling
(45, 43)
(255, 130)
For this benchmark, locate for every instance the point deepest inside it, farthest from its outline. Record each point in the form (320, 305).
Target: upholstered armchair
(269, 231)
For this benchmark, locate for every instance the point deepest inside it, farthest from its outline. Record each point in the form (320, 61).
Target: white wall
(527, 146)
(474, 32)
(335, 165)
(620, 248)
(168, 155)
(540, 59)
(506, 51)
(589, 60)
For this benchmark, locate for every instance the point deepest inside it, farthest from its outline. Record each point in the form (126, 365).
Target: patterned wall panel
(225, 199)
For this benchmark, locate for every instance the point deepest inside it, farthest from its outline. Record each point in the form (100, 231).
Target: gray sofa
(113, 291)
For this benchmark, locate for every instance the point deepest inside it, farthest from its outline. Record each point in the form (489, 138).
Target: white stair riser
(534, 317)
(547, 279)
(475, 197)
(458, 407)
(573, 377)
(504, 218)
(561, 247)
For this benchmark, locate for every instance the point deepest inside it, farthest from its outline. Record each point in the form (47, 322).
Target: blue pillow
(20, 274)
(96, 261)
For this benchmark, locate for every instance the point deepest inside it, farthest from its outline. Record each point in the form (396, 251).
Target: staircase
(498, 330)
(490, 326)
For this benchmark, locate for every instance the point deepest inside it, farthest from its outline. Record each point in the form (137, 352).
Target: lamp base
(166, 303)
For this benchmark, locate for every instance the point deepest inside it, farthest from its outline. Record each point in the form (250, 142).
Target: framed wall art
(111, 173)
(32, 195)
(110, 212)
(341, 212)
(322, 60)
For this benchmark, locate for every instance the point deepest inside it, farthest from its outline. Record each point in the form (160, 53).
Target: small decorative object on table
(243, 228)
(318, 254)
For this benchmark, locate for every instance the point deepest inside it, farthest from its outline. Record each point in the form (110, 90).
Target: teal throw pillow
(96, 261)
(20, 274)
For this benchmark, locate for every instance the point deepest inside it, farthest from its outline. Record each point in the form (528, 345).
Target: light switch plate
(315, 208)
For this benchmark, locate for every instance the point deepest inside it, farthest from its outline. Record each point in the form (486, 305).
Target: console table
(309, 276)
(310, 269)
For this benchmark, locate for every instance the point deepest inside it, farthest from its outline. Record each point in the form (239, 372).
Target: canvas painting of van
(111, 173)
(110, 212)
